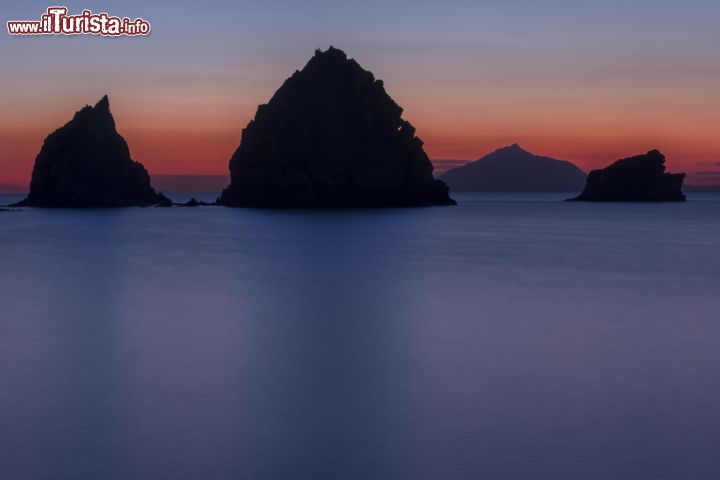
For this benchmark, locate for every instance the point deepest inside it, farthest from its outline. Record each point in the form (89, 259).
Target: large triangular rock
(636, 179)
(86, 163)
(331, 137)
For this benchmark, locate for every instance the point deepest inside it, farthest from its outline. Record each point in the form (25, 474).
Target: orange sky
(589, 84)
(181, 136)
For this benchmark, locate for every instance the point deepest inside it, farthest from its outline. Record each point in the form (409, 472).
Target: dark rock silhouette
(636, 179)
(86, 163)
(512, 169)
(194, 202)
(331, 137)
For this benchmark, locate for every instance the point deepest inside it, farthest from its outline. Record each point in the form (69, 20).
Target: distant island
(513, 169)
(641, 178)
(331, 137)
(86, 163)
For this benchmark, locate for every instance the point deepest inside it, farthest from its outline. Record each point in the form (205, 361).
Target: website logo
(56, 21)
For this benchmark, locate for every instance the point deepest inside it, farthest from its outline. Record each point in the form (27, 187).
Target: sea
(514, 336)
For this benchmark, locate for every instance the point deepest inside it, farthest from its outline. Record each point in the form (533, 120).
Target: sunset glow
(585, 85)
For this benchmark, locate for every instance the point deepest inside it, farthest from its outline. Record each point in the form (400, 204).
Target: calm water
(511, 337)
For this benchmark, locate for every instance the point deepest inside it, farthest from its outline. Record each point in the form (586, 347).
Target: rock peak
(656, 154)
(331, 53)
(103, 105)
(332, 61)
(516, 147)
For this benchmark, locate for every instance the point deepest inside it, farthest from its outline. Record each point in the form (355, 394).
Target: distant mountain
(513, 169)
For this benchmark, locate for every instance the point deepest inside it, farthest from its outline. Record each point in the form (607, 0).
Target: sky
(588, 82)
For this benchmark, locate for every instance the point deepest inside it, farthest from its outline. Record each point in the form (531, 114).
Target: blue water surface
(511, 337)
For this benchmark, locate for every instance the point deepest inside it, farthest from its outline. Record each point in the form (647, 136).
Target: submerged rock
(636, 179)
(86, 163)
(331, 137)
(513, 169)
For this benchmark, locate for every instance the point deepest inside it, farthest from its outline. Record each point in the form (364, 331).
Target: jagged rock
(636, 179)
(163, 201)
(513, 169)
(331, 137)
(87, 163)
(194, 202)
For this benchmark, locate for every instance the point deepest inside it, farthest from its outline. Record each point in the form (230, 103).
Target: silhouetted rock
(86, 163)
(331, 137)
(512, 169)
(194, 202)
(163, 201)
(635, 179)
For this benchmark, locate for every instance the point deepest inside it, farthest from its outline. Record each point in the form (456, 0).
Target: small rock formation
(513, 169)
(331, 137)
(87, 163)
(194, 202)
(636, 179)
